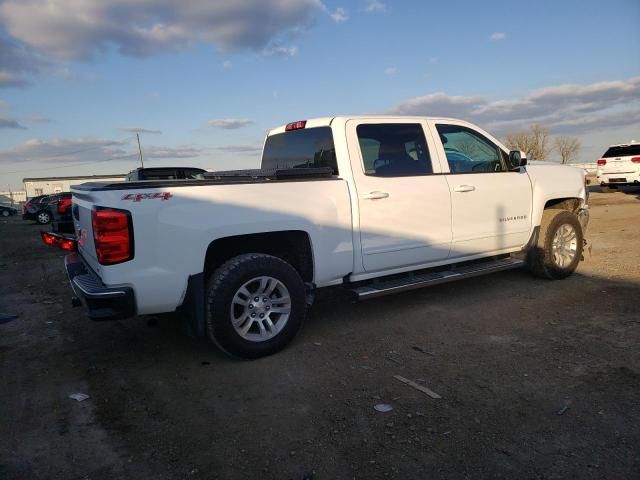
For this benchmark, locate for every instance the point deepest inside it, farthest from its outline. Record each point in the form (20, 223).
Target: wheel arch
(569, 203)
(292, 246)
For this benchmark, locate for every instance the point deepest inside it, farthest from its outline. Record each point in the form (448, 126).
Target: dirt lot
(538, 379)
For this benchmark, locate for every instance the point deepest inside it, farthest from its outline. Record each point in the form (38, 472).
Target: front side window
(470, 152)
(304, 148)
(394, 149)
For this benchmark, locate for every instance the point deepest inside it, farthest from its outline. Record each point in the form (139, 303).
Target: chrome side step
(411, 282)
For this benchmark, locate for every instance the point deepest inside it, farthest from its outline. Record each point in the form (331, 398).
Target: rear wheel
(559, 248)
(255, 305)
(43, 218)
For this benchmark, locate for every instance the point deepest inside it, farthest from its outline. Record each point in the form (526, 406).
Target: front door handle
(375, 195)
(464, 188)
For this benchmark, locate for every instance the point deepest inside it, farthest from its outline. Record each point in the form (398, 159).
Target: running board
(411, 282)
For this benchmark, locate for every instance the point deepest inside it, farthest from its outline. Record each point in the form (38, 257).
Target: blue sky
(78, 78)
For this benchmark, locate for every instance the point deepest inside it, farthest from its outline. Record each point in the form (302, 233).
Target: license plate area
(618, 180)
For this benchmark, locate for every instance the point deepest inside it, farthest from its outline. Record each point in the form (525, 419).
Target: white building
(13, 198)
(49, 185)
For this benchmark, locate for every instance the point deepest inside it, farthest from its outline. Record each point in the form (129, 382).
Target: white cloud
(569, 108)
(498, 36)
(230, 123)
(340, 15)
(91, 150)
(139, 130)
(64, 150)
(280, 51)
(18, 63)
(181, 151)
(375, 6)
(10, 123)
(390, 71)
(227, 64)
(239, 148)
(73, 29)
(39, 119)
(434, 59)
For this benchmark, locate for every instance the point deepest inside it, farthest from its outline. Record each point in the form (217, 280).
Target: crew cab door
(491, 203)
(403, 203)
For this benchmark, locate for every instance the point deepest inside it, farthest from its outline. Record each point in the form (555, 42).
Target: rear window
(622, 151)
(304, 148)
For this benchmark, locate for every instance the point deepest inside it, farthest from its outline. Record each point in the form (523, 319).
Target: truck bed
(219, 178)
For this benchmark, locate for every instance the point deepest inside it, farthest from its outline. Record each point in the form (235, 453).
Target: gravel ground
(538, 379)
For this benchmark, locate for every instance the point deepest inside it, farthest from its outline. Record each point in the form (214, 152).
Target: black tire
(221, 289)
(43, 217)
(540, 258)
(6, 213)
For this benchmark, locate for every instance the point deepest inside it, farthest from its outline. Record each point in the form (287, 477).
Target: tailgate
(619, 165)
(81, 211)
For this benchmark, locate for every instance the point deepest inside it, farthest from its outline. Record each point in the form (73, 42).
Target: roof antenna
(140, 150)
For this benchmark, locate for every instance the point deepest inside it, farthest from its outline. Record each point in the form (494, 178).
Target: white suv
(620, 165)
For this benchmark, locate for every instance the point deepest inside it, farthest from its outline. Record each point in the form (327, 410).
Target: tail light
(64, 204)
(112, 235)
(602, 161)
(59, 241)
(635, 159)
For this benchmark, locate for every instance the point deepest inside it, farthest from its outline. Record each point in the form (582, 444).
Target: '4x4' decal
(136, 197)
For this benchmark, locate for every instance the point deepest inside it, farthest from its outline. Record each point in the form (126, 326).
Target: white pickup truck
(374, 204)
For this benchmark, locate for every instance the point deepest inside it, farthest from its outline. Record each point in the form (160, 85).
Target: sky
(202, 81)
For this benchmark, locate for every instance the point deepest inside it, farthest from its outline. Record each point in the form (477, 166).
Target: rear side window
(394, 149)
(304, 148)
(622, 151)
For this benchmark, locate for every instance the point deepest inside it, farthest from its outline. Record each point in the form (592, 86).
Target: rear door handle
(464, 188)
(375, 195)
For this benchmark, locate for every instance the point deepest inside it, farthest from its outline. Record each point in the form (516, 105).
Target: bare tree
(568, 148)
(533, 142)
(468, 147)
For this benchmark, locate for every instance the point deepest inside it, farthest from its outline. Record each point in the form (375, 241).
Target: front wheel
(255, 305)
(43, 218)
(5, 213)
(559, 247)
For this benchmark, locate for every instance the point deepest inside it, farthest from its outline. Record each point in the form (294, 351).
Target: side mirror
(517, 159)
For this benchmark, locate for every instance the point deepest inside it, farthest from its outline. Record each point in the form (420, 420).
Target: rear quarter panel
(172, 236)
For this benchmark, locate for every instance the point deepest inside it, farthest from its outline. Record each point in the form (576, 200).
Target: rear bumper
(101, 302)
(624, 178)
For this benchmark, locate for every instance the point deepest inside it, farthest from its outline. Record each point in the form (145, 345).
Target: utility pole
(140, 150)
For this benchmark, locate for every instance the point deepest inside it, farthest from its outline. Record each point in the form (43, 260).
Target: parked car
(7, 210)
(59, 206)
(36, 209)
(619, 165)
(165, 173)
(377, 205)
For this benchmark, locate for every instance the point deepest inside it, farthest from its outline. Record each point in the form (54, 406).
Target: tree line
(537, 144)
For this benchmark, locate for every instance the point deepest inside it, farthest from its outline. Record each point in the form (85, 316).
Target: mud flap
(193, 306)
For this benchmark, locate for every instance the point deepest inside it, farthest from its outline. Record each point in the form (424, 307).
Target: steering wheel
(478, 165)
